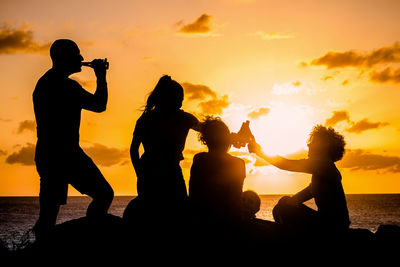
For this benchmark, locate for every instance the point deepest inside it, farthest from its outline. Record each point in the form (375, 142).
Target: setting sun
(285, 130)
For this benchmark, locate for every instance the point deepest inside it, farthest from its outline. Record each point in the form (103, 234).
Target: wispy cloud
(26, 125)
(327, 77)
(197, 91)
(362, 160)
(364, 125)
(255, 114)
(24, 156)
(352, 126)
(337, 117)
(385, 76)
(3, 152)
(202, 25)
(207, 99)
(107, 156)
(101, 155)
(19, 40)
(215, 106)
(389, 54)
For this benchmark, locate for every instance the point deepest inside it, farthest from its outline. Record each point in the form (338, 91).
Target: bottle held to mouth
(102, 61)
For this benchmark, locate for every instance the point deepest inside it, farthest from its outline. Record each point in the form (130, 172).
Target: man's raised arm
(97, 102)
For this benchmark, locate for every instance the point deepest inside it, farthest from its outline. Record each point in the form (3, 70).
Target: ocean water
(19, 214)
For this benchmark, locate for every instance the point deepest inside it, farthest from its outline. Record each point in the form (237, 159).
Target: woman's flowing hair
(167, 92)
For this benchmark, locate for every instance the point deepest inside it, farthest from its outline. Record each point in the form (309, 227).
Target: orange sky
(283, 65)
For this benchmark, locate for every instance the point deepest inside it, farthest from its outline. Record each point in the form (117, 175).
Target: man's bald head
(65, 54)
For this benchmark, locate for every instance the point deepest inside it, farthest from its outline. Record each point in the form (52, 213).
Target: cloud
(303, 64)
(365, 125)
(106, 156)
(200, 26)
(215, 106)
(197, 91)
(4, 120)
(273, 35)
(210, 103)
(101, 155)
(337, 117)
(296, 83)
(19, 40)
(26, 125)
(258, 113)
(25, 156)
(327, 78)
(3, 152)
(361, 160)
(387, 75)
(345, 82)
(389, 54)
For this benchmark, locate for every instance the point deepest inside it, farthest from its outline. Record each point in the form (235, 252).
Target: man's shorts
(76, 169)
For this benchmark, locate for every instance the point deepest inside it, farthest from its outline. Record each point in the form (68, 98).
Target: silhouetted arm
(302, 165)
(134, 149)
(303, 195)
(97, 102)
(196, 124)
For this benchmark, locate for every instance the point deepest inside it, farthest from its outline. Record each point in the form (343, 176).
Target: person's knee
(108, 194)
(104, 195)
(251, 204)
(279, 210)
(283, 201)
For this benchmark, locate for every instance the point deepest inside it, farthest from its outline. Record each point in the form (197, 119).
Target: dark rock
(388, 233)
(111, 237)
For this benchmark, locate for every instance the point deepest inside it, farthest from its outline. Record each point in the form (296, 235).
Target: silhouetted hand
(242, 137)
(99, 68)
(254, 147)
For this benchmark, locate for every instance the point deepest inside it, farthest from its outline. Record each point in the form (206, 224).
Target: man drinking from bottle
(58, 101)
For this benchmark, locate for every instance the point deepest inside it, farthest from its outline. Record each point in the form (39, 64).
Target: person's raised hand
(99, 68)
(254, 147)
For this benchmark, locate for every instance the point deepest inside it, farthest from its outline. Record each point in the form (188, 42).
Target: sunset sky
(284, 65)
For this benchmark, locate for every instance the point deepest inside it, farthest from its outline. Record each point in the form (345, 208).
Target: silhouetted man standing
(58, 101)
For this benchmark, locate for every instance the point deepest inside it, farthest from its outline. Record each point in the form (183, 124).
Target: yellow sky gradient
(283, 65)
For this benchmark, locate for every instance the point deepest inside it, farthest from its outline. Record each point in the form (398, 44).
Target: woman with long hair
(162, 130)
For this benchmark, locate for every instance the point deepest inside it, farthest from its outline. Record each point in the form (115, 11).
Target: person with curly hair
(325, 147)
(216, 178)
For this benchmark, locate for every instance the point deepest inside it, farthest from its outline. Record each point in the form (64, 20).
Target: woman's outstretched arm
(302, 165)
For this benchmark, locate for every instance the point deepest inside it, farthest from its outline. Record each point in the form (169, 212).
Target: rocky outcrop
(112, 238)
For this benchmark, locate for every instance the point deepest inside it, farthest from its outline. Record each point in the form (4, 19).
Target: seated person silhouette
(326, 146)
(58, 102)
(162, 130)
(216, 179)
(251, 204)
